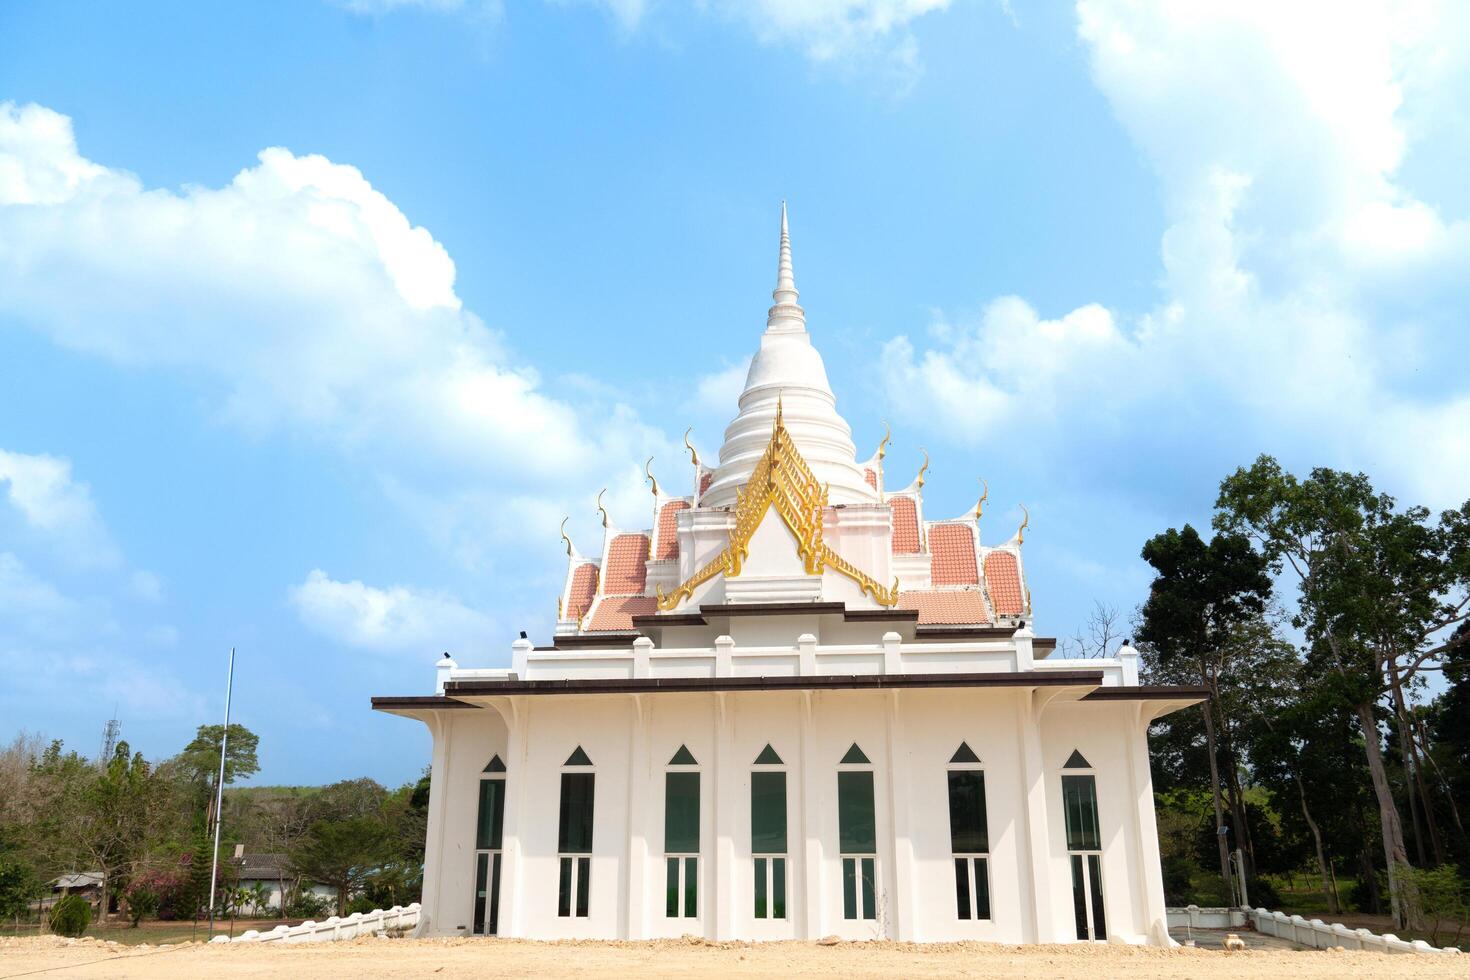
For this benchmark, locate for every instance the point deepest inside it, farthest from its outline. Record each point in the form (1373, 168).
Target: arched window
(681, 835)
(489, 827)
(969, 835)
(857, 835)
(1084, 847)
(768, 845)
(574, 835)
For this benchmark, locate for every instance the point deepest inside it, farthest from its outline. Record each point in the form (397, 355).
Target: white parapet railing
(1305, 932)
(398, 919)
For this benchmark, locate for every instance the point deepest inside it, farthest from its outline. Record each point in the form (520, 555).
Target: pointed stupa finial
(786, 316)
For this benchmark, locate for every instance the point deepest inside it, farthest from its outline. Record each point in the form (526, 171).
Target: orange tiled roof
(953, 548)
(905, 526)
(627, 565)
(1003, 576)
(705, 479)
(617, 612)
(668, 529)
(583, 590)
(951, 607)
(871, 478)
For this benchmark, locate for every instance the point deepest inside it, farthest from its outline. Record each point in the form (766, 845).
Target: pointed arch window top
(768, 757)
(964, 754)
(855, 756)
(578, 758)
(1075, 761)
(683, 757)
(494, 765)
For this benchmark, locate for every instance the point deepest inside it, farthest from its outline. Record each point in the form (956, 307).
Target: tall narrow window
(857, 836)
(681, 836)
(969, 837)
(489, 827)
(574, 836)
(1084, 849)
(768, 834)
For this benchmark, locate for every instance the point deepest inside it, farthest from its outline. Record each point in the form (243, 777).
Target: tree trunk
(1327, 889)
(1219, 809)
(1402, 905)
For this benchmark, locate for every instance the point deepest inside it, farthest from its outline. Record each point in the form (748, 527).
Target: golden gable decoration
(782, 481)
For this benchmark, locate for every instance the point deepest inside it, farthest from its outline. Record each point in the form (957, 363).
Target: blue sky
(315, 318)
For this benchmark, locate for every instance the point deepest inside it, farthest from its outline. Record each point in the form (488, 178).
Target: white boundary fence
(1306, 932)
(398, 919)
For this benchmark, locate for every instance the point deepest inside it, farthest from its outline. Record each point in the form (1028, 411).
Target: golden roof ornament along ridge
(601, 509)
(651, 478)
(984, 496)
(565, 538)
(922, 469)
(887, 438)
(1025, 523)
(693, 456)
(782, 481)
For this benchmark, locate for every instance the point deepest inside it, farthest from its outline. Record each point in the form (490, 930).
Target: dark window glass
(967, 831)
(964, 754)
(982, 888)
(1079, 799)
(760, 888)
(854, 756)
(691, 887)
(481, 874)
(856, 831)
(671, 886)
(495, 765)
(574, 835)
(778, 888)
(1079, 897)
(1075, 761)
(584, 884)
(849, 888)
(768, 812)
(768, 757)
(491, 817)
(870, 886)
(683, 757)
(681, 813)
(962, 887)
(495, 895)
(578, 758)
(564, 888)
(1099, 920)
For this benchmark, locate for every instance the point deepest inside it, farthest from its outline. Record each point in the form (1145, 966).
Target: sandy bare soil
(365, 957)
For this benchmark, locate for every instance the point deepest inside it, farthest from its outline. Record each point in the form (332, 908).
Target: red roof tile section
(583, 590)
(958, 607)
(627, 565)
(905, 526)
(1003, 576)
(705, 479)
(668, 529)
(953, 548)
(617, 612)
(871, 478)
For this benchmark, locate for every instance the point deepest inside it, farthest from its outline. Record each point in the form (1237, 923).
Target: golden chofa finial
(693, 456)
(564, 535)
(1025, 523)
(601, 509)
(651, 478)
(887, 438)
(984, 496)
(779, 410)
(923, 469)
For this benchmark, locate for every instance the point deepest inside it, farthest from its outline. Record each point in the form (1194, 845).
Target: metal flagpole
(219, 791)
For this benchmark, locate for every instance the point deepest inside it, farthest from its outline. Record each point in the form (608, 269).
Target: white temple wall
(908, 736)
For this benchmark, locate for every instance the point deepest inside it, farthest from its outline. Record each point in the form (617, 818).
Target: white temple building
(794, 705)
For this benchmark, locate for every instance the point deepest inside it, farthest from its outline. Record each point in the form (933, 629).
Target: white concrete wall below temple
(916, 891)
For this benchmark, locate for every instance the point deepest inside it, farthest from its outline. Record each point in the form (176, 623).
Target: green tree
(1378, 587)
(342, 853)
(1202, 594)
(200, 760)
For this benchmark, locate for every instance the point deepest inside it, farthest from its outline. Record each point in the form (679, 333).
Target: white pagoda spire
(787, 367)
(786, 316)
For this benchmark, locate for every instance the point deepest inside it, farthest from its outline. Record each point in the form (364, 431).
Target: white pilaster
(512, 878)
(1035, 855)
(812, 903)
(635, 910)
(438, 726)
(721, 888)
(904, 926)
(1150, 870)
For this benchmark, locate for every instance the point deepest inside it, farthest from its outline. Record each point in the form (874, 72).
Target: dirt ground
(371, 957)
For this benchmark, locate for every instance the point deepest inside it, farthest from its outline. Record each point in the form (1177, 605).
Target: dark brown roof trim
(621, 638)
(411, 702)
(823, 682)
(1150, 692)
(775, 609)
(1044, 643)
(669, 619)
(881, 615)
(965, 632)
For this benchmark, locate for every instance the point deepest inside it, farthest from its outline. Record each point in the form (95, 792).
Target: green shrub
(1263, 894)
(70, 916)
(361, 904)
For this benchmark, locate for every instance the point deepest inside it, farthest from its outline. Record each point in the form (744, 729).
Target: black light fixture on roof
(523, 634)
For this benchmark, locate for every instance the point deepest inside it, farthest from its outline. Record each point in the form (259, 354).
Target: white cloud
(717, 394)
(1304, 281)
(397, 619)
(41, 490)
(306, 300)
